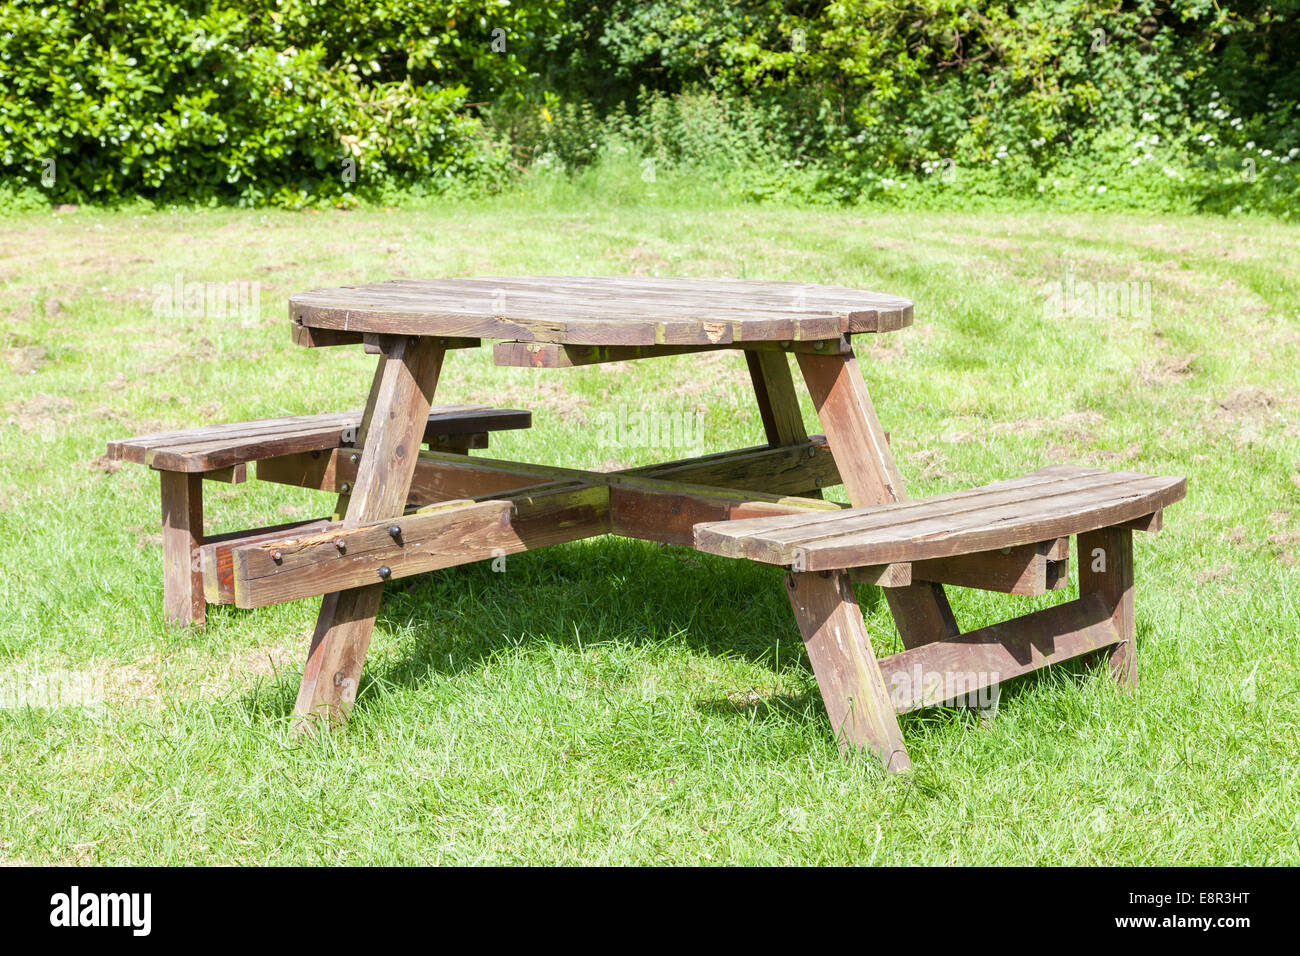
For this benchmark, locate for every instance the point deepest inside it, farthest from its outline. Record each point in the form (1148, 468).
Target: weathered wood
(394, 425)
(861, 712)
(612, 311)
(965, 664)
(1106, 570)
(234, 475)
(778, 405)
(213, 447)
(1152, 522)
(996, 516)
(658, 513)
(1020, 570)
(883, 575)
(325, 338)
(216, 562)
(861, 450)
(182, 520)
(453, 533)
(551, 355)
(438, 477)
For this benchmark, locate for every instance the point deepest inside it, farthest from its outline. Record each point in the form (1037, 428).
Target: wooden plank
(1106, 570)
(1152, 522)
(215, 447)
(335, 558)
(861, 712)
(396, 415)
(963, 522)
(998, 526)
(600, 311)
(661, 514)
(326, 338)
(975, 501)
(234, 475)
(778, 404)
(861, 451)
(551, 355)
(216, 563)
(440, 477)
(1019, 570)
(883, 575)
(182, 520)
(937, 672)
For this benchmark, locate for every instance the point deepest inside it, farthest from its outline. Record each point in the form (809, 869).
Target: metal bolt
(346, 488)
(276, 556)
(340, 544)
(395, 530)
(812, 451)
(819, 345)
(817, 481)
(385, 571)
(354, 459)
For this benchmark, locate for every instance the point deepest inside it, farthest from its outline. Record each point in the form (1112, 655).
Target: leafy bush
(1161, 104)
(253, 102)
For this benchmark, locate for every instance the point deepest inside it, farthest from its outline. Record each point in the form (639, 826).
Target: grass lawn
(618, 702)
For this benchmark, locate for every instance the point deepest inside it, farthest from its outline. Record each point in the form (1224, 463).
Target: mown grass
(619, 702)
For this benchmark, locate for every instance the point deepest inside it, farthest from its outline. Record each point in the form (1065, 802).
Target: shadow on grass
(604, 591)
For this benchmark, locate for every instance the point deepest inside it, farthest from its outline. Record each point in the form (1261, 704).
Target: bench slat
(1002, 515)
(213, 447)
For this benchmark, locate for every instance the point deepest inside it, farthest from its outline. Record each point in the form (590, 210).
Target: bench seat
(1048, 504)
(215, 447)
(1007, 536)
(188, 457)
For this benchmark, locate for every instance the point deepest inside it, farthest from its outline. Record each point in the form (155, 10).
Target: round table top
(602, 310)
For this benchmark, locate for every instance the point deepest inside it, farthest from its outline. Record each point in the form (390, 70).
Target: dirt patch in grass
(1166, 370)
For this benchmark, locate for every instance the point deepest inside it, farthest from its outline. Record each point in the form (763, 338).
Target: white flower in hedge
(1251, 144)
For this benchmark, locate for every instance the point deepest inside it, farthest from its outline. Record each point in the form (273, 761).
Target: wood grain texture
(1106, 569)
(866, 466)
(550, 355)
(853, 691)
(216, 554)
(182, 521)
(602, 310)
(212, 447)
(1020, 570)
(393, 427)
(963, 664)
(1003, 515)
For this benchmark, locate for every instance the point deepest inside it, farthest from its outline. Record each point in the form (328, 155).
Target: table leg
(390, 436)
(866, 466)
(777, 402)
(182, 521)
(861, 710)
(1106, 566)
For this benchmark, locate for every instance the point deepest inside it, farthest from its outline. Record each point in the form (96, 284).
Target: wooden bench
(280, 446)
(1017, 531)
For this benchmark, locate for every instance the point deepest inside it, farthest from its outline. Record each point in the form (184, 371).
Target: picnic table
(402, 510)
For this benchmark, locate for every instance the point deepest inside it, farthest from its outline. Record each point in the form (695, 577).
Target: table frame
(836, 637)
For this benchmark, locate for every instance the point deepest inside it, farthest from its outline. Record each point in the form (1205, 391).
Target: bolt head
(385, 571)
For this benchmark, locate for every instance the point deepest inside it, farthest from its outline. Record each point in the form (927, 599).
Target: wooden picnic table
(470, 509)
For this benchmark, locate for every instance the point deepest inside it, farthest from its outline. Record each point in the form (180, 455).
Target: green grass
(619, 702)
